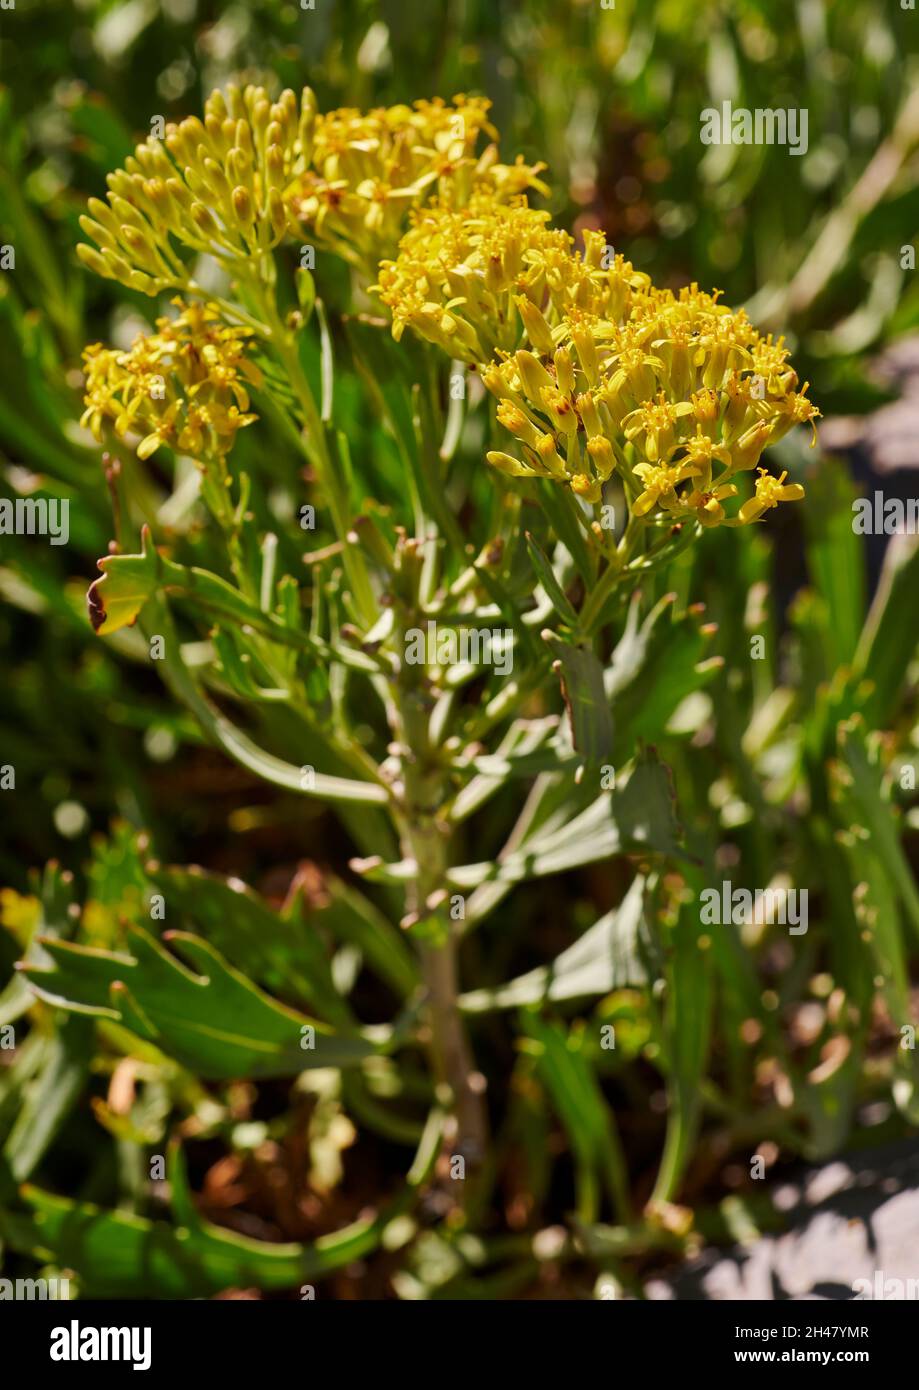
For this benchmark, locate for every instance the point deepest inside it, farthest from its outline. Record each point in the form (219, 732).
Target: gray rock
(855, 1219)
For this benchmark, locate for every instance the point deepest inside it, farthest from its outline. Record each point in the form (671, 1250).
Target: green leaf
(117, 1255)
(606, 957)
(564, 509)
(877, 815)
(654, 667)
(240, 746)
(547, 578)
(687, 1029)
(351, 917)
(883, 936)
(521, 744)
(128, 582)
(891, 633)
(306, 292)
(285, 955)
(50, 1097)
(565, 1070)
(835, 556)
(585, 699)
(216, 1023)
(638, 817)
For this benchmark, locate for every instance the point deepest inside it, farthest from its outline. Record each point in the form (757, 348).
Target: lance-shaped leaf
(50, 1096)
(655, 666)
(216, 1023)
(566, 1072)
(883, 937)
(608, 956)
(638, 816)
(891, 633)
(513, 757)
(285, 951)
(877, 814)
(686, 1035)
(835, 558)
(585, 699)
(550, 582)
(284, 954)
(239, 745)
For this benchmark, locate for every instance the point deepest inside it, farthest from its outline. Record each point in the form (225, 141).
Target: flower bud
(564, 371)
(536, 327)
(242, 206)
(533, 374)
(203, 220)
(586, 487)
(601, 456)
(277, 212)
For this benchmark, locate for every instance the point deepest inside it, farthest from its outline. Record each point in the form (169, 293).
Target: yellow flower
(369, 170)
(181, 385)
(770, 361)
(462, 278)
(653, 425)
(593, 367)
(678, 379)
(483, 278)
(660, 481)
(769, 493)
(702, 449)
(794, 409)
(706, 505)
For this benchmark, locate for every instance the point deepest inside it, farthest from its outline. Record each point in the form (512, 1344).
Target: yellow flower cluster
(215, 186)
(595, 370)
(676, 393)
(184, 385)
(255, 171)
(480, 279)
(369, 170)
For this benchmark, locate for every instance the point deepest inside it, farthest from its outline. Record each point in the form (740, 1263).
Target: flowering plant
(488, 606)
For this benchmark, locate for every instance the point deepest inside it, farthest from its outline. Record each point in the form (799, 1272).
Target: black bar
(231, 1340)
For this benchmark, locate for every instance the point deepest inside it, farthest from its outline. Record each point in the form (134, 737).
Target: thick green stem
(451, 1056)
(450, 1051)
(424, 831)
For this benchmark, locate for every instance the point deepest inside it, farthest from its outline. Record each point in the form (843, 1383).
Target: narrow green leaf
(877, 815)
(547, 578)
(585, 699)
(606, 957)
(687, 1030)
(890, 636)
(50, 1097)
(564, 1068)
(637, 817)
(835, 556)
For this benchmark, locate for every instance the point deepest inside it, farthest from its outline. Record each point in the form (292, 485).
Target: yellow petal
(751, 511)
(148, 446)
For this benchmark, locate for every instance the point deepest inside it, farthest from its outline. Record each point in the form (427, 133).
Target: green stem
(598, 595)
(316, 450)
(425, 835)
